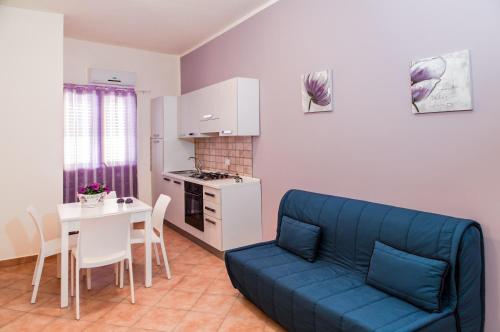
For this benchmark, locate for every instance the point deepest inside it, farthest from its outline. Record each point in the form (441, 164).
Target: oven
(193, 194)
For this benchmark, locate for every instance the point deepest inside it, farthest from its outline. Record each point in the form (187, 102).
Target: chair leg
(122, 272)
(36, 268)
(156, 254)
(131, 280)
(72, 275)
(117, 274)
(165, 259)
(37, 277)
(77, 281)
(89, 279)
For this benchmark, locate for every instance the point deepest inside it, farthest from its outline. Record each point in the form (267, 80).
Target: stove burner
(211, 176)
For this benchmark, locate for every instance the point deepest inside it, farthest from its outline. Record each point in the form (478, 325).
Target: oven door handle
(192, 195)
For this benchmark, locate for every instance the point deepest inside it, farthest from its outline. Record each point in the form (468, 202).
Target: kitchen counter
(216, 184)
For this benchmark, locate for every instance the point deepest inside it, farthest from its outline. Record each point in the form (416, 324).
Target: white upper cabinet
(157, 118)
(228, 108)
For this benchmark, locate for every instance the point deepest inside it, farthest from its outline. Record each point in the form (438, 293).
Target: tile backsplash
(212, 152)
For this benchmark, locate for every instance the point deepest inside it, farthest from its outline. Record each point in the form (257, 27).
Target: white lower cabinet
(175, 189)
(212, 234)
(232, 216)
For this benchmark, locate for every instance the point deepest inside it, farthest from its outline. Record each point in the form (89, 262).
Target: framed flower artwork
(441, 83)
(317, 92)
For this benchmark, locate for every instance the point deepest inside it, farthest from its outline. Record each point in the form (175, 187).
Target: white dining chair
(47, 248)
(111, 195)
(102, 241)
(157, 218)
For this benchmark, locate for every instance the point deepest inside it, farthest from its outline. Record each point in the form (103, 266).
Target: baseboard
(215, 252)
(18, 261)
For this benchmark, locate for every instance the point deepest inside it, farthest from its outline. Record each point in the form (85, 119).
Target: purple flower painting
(317, 92)
(441, 84)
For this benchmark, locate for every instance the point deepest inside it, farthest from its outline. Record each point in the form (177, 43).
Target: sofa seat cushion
(320, 296)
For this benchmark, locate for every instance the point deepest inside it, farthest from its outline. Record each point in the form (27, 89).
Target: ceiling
(167, 26)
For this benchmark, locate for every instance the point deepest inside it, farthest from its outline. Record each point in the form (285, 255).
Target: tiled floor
(199, 297)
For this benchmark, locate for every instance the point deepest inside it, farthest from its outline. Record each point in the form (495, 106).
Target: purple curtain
(100, 139)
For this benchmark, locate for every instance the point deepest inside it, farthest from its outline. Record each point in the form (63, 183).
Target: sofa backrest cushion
(300, 238)
(350, 227)
(415, 279)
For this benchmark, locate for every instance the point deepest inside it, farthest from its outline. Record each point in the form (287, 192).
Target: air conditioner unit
(112, 77)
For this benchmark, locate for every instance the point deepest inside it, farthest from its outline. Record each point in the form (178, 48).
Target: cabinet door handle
(210, 221)
(209, 209)
(167, 179)
(226, 132)
(207, 116)
(191, 134)
(177, 182)
(210, 194)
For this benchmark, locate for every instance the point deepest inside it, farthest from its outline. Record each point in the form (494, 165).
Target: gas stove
(209, 176)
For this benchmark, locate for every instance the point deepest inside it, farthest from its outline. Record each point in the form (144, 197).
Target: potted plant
(92, 194)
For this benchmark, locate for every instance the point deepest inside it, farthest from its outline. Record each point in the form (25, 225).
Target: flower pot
(91, 200)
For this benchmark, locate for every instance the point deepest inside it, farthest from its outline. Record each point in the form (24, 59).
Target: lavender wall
(371, 147)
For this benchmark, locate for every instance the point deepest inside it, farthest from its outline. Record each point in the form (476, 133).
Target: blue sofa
(331, 293)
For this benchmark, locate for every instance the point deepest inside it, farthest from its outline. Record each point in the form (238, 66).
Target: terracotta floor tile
(177, 299)
(193, 284)
(161, 319)
(23, 283)
(28, 322)
(239, 324)
(66, 325)
(199, 297)
(27, 268)
(246, 309)
(23, 302)
(52, 286)
(207, 271)
(147, 296)
(91, 310)
(6, 316)
(8, 278)
(124, 314)
(222, 287)
(214, 304)
(52, 308)
(160, 282)
(113, 293)
(100, 327)
(8, 294)
(199, 322)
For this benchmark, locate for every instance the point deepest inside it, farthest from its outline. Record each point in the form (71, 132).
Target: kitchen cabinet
(232, 216)
(174, 188)
(228, 108)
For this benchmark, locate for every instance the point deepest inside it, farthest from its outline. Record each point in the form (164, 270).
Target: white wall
(31, 125)
(156, 72)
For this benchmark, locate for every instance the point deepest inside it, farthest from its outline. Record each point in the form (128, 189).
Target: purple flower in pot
(425, 76)
(317, 88)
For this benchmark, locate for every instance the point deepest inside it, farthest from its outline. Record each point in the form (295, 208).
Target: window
(99, 138)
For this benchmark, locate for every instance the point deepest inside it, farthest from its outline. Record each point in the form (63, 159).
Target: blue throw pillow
(415, 279)
(300, 238)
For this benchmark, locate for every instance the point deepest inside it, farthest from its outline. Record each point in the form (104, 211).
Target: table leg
(64, 264)
(147, 243)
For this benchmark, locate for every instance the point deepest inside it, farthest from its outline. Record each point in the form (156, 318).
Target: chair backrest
(103, 238)
(37, 220)
(111, 195)
(159, 210)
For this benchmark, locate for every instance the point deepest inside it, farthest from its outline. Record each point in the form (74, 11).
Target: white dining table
(70, 215)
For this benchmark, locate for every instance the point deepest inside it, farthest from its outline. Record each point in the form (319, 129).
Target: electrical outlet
(227, 162)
